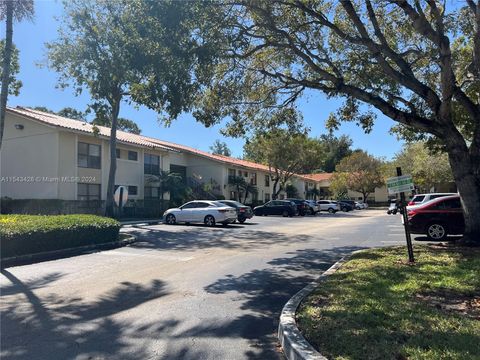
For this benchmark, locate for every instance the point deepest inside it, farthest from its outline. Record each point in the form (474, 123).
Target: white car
(423, 198)
(359, 205)
(314, 207)
(201, 211)
(328, 205)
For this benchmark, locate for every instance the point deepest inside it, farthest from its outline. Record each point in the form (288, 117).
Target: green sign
(399, 184)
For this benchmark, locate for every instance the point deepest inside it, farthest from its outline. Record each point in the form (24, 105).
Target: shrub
(29, 234)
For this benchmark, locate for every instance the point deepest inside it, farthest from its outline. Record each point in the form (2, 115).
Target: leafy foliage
(123, 124)
(146, 52)
(72, 113)
(14, 85)
(336, 148)
(291, 191)
(427, 169)
(285, 154)
(417, 62)
(339, 185)
(361, 172)
(28, 234)
(220, 148)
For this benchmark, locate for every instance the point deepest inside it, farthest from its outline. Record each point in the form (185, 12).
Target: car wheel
(209, 220)
(436, 231)
(344, 209)
(285, 213)
(331, 211)
(389, 212)
(241, 221)
(170, 219)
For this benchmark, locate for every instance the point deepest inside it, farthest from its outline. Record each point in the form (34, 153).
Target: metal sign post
(396, 185)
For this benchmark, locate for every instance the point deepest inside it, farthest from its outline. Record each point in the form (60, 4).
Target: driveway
(180, 292)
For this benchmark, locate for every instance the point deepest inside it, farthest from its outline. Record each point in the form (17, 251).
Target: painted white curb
(295, 346)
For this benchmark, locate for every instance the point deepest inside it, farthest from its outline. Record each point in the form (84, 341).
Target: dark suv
(302, 206)
(276, 207)
(437, 218)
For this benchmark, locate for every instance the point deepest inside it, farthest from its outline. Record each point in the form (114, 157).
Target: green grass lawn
(378, 307)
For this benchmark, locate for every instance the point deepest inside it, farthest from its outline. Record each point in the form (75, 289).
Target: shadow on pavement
(182, 238)
(56, 327)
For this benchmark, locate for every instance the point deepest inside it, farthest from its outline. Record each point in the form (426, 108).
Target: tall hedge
(29, 234)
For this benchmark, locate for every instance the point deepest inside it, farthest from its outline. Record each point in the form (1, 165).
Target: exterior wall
(67, 166)
(207, 171)
(29, 160)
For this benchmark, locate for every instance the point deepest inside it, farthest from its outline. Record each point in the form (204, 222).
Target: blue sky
(39, 89)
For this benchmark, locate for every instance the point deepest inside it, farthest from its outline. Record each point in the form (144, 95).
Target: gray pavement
(180, 292)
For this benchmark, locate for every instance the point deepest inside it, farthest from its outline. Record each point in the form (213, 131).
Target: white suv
(328, 205)
(423, 198)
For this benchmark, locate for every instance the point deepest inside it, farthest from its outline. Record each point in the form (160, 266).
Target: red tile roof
(82, 126)
(318, 177)
(145, 141)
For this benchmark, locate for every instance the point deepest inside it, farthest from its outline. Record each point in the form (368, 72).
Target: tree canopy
(417, 62)
(10, 11)
(428, 169)
(284, 153)
(220, 148)
(361, 172)
(146, 52)
(336, 148)
(14, 85)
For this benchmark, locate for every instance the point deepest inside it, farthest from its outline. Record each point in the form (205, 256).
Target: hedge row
(30, 234)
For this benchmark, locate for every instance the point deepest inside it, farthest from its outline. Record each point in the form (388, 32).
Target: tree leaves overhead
(220, 148)
(14, 85)
(360, 172)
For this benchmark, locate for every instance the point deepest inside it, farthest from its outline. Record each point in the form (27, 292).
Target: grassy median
(378, 307)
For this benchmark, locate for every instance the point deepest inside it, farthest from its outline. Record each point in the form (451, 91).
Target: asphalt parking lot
(179, 292)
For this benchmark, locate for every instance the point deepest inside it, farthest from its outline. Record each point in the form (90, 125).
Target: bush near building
(29, 234)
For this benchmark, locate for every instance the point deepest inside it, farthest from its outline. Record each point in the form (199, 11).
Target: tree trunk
(466, 174)
(275, 193)
(6, 66)
(109, 203)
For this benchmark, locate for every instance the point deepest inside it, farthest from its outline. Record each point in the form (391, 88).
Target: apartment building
(49, 163)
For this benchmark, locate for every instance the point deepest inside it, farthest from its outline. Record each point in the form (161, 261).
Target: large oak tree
(416, 62)
(147, 52)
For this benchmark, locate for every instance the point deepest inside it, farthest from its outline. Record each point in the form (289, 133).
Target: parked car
(201, 211)
(360, 205)
(437, 218)
(393, 208)
(276, 207)
(302, 206)
(313, 206)
(344, 206)
(244, 212)
(350, 202)
(423, 198)
(328, 205)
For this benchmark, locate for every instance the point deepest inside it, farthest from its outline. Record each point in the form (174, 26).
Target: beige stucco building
(48, 161)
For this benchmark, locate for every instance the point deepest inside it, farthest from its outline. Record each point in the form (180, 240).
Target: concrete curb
(295, 346)
(58, 254)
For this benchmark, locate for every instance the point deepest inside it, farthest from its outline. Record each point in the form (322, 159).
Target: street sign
(121, 196)
(399, 184)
